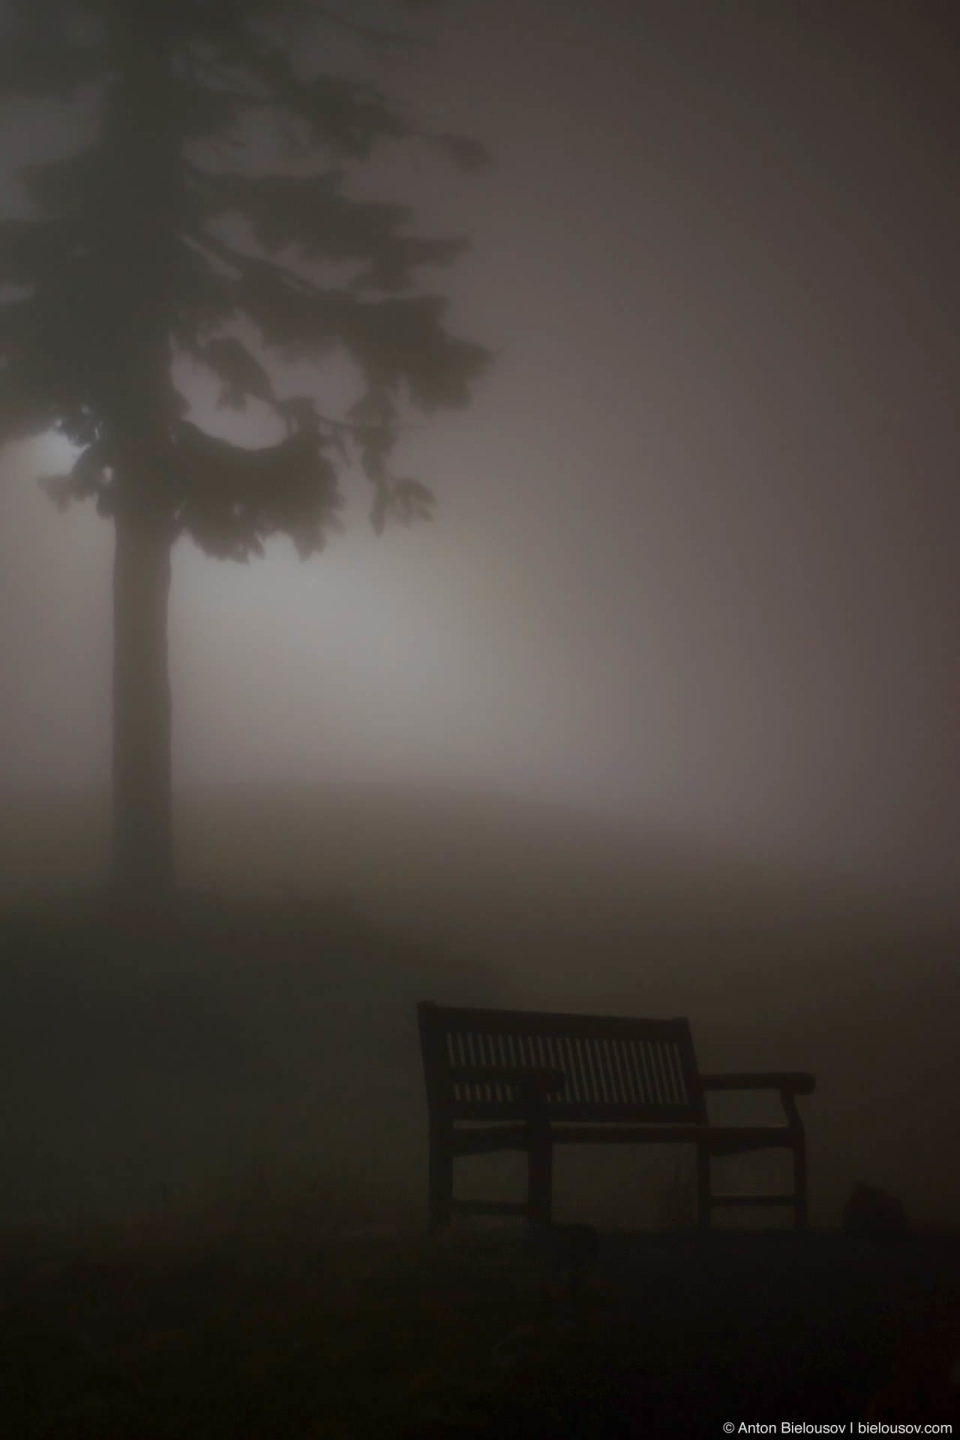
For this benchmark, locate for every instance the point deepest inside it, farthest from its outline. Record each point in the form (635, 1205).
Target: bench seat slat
(751, 1200)
(490, 1207)
(560, 1112)
(739, 1136)
(730, 1139)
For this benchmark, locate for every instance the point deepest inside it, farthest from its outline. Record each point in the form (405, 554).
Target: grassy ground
(162, 1337)
(252, 1336)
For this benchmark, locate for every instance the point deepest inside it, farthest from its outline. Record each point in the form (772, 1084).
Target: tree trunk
(142, 866)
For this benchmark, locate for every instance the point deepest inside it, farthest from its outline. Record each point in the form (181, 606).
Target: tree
(146, 247)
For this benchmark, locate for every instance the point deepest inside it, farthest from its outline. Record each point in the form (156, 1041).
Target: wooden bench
(526, 1080)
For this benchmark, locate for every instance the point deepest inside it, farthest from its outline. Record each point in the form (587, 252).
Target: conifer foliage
(161, 241)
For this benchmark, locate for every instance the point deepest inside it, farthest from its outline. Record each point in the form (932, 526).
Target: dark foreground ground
(149, 1337)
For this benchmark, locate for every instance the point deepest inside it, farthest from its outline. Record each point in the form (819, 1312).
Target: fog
(685, 626)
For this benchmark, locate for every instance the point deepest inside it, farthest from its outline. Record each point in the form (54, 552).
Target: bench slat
(751, 1199)
(613, 1068)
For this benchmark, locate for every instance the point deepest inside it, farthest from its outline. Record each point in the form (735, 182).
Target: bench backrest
(613, 1068)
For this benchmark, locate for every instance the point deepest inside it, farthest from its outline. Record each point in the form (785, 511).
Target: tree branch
(373, 35)
(356, 428)
(246, 264)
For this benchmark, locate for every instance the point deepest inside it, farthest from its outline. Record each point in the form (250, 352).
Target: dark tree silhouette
(149, 245)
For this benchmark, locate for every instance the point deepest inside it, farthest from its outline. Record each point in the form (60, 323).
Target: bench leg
(800, 1183)
(703, 1187)
(540, 1182)
(440, 1183)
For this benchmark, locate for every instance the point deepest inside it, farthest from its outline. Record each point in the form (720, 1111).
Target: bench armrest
(797, 1082)
(534, 1084)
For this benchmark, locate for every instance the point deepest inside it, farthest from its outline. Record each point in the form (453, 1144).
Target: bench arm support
(790, 1083)
(794, 1082)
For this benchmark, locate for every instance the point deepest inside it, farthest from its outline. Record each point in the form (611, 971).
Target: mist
(659, 715)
